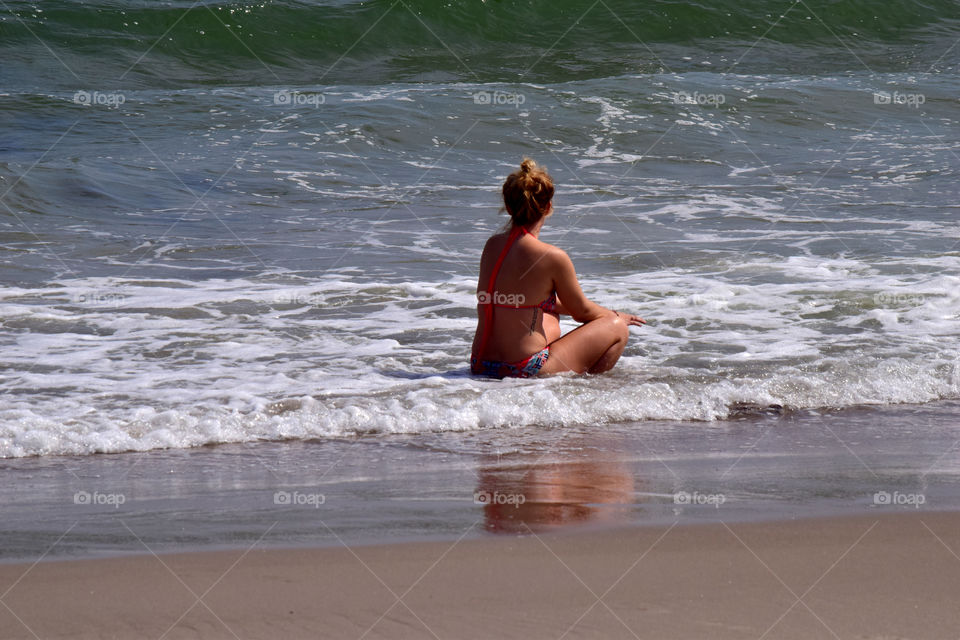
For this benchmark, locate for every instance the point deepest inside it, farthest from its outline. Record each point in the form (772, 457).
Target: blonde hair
(527, 193)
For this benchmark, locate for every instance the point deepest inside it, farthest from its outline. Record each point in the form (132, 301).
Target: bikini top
(489, 301)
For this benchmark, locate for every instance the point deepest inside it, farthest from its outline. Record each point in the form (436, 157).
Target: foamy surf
(111, 365)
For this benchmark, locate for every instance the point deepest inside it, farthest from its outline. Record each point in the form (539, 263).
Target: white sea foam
(113, 365)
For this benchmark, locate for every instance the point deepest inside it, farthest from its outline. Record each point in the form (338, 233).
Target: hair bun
(527, 193)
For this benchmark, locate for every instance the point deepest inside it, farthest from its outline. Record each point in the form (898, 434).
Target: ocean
(248, 222)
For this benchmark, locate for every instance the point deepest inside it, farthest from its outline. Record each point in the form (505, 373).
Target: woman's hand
(631, 319)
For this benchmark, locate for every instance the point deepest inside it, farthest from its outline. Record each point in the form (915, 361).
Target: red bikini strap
(514, 234)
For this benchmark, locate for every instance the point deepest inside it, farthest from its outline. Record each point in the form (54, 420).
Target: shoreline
(878, 576)
(434, 487)
(477, 533)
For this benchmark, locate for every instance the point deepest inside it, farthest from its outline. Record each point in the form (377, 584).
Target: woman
(516, 338)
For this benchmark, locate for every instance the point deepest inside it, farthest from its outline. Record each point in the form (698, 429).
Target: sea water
(236, 222)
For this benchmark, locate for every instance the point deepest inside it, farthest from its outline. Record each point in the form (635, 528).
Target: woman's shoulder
(551, 252)
(495, 241)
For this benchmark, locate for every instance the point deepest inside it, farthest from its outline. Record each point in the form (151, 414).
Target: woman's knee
(614, 326)
(619, 327)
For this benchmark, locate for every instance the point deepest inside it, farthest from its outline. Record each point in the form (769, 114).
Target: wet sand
(893, 575)
(433, 487)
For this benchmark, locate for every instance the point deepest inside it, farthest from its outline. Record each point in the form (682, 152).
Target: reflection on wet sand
(537, 492)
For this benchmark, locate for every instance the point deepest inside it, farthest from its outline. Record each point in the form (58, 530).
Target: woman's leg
(594, 347)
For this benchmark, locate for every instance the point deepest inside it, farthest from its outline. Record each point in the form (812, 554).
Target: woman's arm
(571, 299)
(575, 303)
(559, 309)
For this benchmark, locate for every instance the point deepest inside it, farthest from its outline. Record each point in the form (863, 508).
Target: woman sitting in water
(516, 268)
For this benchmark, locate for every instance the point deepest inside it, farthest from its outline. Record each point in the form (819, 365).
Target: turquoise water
(176, 44)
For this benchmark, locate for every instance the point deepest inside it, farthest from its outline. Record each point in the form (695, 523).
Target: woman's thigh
(581, 348)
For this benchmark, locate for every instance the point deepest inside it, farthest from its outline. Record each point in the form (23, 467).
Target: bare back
(526, 277)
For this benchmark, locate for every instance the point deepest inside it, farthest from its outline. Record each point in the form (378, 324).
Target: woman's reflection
(533, 492)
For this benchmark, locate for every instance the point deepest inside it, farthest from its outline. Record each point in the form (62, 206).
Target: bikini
(529, 366)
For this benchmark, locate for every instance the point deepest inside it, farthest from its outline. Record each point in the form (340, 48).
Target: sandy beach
(889, 576)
